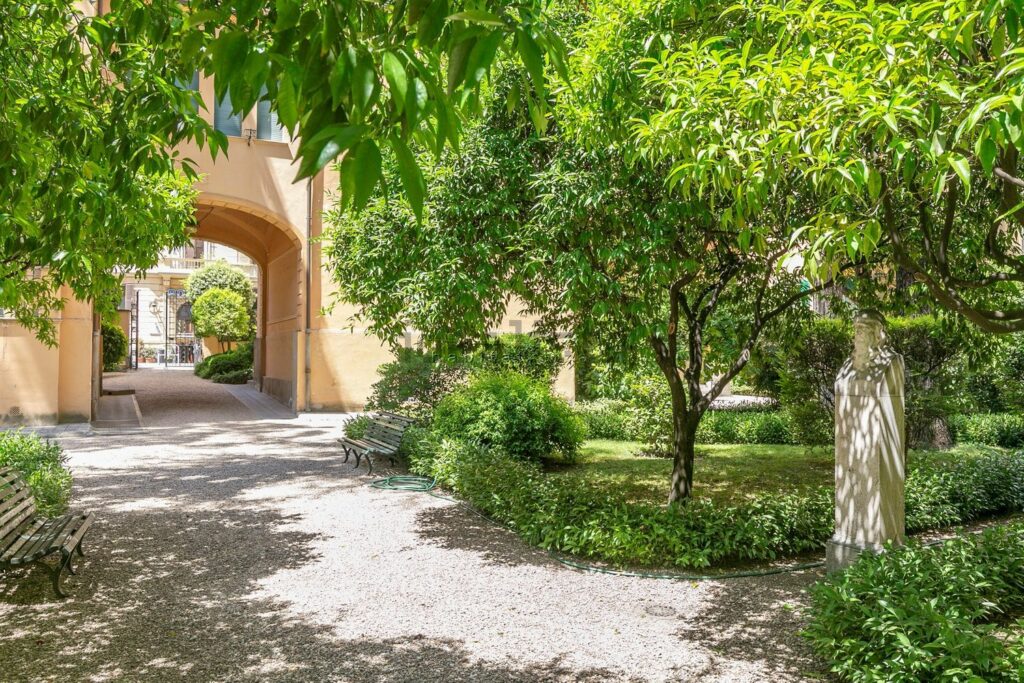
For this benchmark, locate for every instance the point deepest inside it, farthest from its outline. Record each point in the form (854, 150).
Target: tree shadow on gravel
(759, 619)
(171, 590)
(453, 527)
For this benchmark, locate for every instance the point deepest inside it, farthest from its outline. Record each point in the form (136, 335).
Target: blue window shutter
(224, 120)
(267, 125)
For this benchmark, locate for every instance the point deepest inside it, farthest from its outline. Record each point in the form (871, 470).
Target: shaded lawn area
(726, 473)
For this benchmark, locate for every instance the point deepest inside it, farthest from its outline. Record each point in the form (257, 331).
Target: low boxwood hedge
(993, 429)
(919, 613)
(572, 516)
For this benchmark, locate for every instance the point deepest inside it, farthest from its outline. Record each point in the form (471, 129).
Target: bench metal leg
(347, 453)
(369, 464)
(78, 548)
(58, 571)
(358, 458)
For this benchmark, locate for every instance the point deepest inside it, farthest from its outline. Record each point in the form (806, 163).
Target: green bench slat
(26, 538)
(383, 436)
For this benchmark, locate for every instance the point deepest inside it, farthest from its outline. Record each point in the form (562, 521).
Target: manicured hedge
(607, 418)
(230, 367)
(744, 427)
(927, 613)
(996, 429)
(621, 420)
(569, 516)
(41, 462)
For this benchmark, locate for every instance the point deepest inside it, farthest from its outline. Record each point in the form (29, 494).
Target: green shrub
(41, 463)
(809, 425)
(998, 429)
(607, 418)
(744, 426)
(415, 382)
(568, 515)
(926, 613)
(233, 361)
(807, 370)
(115, 346)
(357, 426)
(232, 376)
(523, 353)
(513, 412)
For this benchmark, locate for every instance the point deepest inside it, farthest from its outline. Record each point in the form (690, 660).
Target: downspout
(309, 284)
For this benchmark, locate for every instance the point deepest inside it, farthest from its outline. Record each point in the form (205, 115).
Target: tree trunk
(684, 439)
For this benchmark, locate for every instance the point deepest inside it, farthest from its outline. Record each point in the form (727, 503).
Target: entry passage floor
(233, 547)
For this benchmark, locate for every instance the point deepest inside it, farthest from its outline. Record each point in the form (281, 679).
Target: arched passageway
(275, 247)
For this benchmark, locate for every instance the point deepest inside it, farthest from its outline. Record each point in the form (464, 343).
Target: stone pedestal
(870, 446)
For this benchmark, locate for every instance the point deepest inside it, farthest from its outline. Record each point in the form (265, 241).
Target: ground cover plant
(606, 506)
(42, 464)
(950, 613)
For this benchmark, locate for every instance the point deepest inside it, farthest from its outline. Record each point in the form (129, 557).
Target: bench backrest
(16, 502)
(386, 430)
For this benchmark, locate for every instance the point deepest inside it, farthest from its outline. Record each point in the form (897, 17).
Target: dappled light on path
(248, 551)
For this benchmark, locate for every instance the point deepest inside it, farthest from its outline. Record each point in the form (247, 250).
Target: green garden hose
(404, 483)
(426, 485)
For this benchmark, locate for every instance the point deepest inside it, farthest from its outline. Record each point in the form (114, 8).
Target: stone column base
(841, 554)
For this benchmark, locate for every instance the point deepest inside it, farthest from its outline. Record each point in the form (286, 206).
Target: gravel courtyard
(233, 547)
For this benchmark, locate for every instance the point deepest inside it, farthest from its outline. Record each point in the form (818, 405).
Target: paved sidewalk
(233, 548)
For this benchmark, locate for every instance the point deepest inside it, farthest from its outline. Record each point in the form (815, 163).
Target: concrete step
(117, 411)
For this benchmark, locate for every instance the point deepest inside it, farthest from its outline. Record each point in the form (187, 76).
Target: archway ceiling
(256, 237)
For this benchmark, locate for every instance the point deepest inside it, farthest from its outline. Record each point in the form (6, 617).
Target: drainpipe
(309, 297)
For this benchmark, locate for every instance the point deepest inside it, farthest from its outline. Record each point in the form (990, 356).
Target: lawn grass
(724, 473)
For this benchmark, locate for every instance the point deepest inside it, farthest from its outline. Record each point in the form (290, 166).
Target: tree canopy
(90, 189)
(223, 314)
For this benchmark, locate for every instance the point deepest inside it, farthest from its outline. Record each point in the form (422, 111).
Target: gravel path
(242, 549)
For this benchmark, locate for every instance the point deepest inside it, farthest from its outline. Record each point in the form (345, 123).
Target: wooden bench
(26, 538)
(383, 437)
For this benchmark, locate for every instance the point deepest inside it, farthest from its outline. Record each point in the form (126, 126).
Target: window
(267, 125)
(183, 320)
(224, 120)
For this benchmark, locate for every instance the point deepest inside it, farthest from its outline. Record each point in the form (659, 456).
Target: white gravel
(243, 549)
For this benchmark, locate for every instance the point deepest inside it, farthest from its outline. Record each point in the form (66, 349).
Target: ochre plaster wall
(46, 385)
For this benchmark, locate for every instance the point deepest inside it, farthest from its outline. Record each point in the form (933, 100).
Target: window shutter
(225, 121)
(267, 125)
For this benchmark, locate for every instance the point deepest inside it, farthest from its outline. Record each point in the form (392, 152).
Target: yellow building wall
(46, 385)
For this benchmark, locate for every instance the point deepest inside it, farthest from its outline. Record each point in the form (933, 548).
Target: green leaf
(962, 168)
(987, 152)
(394, 72)
(287, 107)
(477, 17)
(364, 83)
(430, 26)
(367, 171)
(457, 60)
(532, 59)
(288, 13)
(326, 146)
(481, 58)
(412, 177)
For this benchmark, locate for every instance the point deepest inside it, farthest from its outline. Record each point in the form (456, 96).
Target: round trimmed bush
(513, 412)
(115, 346)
